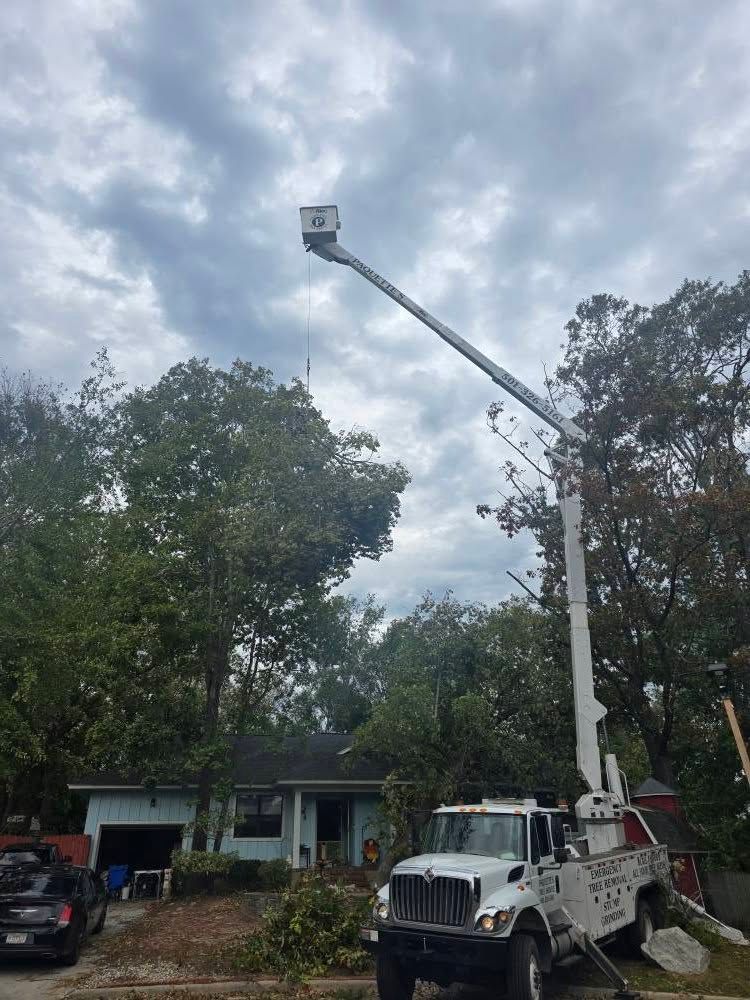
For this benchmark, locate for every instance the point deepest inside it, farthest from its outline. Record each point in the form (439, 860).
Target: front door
(331, 831)
(545, 874)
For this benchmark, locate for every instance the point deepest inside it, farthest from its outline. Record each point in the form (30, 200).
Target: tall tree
(663, 396)
(54, 477)
(249, 507)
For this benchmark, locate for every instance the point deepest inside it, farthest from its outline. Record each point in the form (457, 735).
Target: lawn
(727, 975)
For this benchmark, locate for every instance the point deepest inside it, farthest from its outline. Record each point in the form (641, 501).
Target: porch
(331, 828)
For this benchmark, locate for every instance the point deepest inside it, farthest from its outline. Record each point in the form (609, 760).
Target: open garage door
(139, 847)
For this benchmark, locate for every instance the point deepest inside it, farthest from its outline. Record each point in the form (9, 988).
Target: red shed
(656, 817)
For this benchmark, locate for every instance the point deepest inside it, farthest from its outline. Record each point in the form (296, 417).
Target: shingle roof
(671, 830)
(653, 787)
(272, 760)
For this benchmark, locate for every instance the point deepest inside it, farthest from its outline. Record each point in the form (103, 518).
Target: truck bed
(601, 890)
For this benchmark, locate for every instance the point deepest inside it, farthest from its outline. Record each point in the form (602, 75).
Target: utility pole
(720, 670)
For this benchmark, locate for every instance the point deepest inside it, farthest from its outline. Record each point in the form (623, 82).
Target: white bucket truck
(498, 893)
(497, 890)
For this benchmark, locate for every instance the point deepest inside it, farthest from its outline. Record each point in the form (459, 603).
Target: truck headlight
(381, 910)
(490, 922)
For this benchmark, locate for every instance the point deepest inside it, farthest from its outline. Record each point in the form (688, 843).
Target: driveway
(42, 979)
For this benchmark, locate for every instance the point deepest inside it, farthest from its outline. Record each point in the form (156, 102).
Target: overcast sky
(499, 160)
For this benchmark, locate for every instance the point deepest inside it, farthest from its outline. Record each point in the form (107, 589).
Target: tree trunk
(217, 664)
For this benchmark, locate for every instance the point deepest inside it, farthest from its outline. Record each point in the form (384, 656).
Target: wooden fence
(729, 897)
(73, 845)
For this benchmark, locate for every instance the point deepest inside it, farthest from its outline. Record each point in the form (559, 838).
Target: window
(493, 835)
(258, 816)
(534, 841)
(542, 828)
(558, 830)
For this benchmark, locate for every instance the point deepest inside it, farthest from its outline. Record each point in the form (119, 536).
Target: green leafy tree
(249, 507)
(663, 396)
(54, 477)
(477, 701)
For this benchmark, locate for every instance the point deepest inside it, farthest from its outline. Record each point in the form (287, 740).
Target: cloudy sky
(499, 160)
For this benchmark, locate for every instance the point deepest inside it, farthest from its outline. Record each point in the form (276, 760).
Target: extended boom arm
(319, 229)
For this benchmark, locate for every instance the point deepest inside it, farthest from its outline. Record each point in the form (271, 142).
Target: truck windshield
(494, 835)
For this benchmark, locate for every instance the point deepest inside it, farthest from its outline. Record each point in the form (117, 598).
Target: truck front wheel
(394, 982)
(524, 969)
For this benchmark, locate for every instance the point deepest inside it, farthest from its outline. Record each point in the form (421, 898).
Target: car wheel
(524, 969)
(71, 956)
(394, 982)
(100, 922)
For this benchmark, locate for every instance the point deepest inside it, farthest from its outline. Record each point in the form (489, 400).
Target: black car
(31, 854)
(49, 910)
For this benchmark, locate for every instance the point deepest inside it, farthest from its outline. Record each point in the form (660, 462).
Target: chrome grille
(443, 901)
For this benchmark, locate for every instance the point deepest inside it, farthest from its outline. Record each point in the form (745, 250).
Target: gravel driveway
(41, 979)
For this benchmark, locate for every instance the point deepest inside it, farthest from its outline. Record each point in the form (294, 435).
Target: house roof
(653, 787)
(318, 759)
(671, 830)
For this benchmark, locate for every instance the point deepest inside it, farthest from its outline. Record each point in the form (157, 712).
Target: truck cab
(498, 894)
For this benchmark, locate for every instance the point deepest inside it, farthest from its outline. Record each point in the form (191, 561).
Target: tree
(249, 508)
(476, 701)
(54, 474)
(663, 396)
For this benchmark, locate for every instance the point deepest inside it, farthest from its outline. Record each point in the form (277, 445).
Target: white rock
(676, 951)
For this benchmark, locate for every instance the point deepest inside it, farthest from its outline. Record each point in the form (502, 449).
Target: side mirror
(561, 855)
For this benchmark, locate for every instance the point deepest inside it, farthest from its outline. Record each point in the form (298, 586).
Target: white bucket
(125, 892)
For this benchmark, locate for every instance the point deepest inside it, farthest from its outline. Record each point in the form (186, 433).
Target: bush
(314, 928)
(276, 874)
(202, 862)
(245, 874)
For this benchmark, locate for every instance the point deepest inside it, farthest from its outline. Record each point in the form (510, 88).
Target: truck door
(545, 874)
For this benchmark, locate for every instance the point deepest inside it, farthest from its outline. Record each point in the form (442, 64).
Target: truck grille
(443, 901)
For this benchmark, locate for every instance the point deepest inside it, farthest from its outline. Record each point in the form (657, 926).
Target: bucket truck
(497, 890)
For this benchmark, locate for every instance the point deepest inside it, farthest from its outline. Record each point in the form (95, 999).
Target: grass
(727, 975)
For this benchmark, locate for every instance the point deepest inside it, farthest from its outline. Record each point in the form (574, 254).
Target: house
(305, 799)
(655, 816)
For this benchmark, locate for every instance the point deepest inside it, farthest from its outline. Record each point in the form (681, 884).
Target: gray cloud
(499, 162)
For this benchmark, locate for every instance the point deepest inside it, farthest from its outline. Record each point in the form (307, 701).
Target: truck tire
(394, 982)
(641, 930)
(524, 969)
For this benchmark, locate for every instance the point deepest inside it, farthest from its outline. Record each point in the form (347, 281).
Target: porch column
(296, 827)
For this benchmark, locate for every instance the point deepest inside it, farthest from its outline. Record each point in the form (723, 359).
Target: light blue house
(304, 799)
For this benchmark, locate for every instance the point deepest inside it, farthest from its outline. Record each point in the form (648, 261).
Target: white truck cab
(497, 892)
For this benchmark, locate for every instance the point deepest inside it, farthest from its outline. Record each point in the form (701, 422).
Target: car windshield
(27, 882)
(494, 835)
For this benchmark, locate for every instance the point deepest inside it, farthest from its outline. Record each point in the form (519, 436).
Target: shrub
(245, 874)
(314, 928)
(197, 872)
(202, 862)
(276, 874)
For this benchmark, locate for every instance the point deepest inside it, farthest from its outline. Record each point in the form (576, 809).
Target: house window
(258, 816)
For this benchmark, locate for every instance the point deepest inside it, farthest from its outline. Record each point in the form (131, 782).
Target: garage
(140, 847)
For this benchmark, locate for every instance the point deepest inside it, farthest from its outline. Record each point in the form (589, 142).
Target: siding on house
(123, 806)
(113, 807)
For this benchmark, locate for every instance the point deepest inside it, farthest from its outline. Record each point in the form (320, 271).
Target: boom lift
(452, 914)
